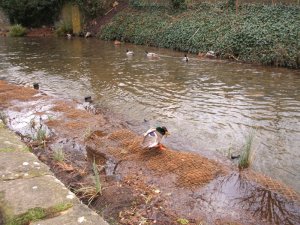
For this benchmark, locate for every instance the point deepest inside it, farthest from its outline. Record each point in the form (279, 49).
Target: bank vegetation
(255, 33)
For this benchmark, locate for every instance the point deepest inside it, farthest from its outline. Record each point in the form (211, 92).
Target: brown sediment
(156, 186)
(40, 32)
(9, 92)
(74, 121)
(192, 169)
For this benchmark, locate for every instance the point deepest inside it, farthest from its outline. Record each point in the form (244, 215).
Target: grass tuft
(63, 28)
(58, 155)
(17, 31)
(247, 153)
(91, 192)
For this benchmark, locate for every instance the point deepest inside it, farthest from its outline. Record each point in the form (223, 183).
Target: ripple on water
(207, 105)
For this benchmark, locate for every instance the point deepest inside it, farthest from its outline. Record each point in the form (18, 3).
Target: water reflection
(268, 205)
(263, 203)
(207, 105)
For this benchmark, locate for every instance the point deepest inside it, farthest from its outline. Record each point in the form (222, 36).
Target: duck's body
(129, 53)
(210, 55)
(185, 58)
(153, 137)
(151, 55)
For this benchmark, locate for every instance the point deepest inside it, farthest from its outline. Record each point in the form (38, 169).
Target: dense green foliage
(31, 12)
(35, 13)
(178, 4)
(17, 31)
(91, 8)
(268, 35)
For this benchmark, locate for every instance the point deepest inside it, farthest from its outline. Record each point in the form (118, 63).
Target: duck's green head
(162, 130)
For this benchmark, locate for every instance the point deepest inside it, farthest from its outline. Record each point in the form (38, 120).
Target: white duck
(153, 137)
(151, 55)
(129, 53)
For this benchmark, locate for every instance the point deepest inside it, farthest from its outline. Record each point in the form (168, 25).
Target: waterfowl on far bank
(129, 53)
(153, 137)
(185, 58)
(151, 54)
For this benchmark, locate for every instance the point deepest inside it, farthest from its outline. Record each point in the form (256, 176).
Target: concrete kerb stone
(14, 165)
(79, 214)
(20, 195)
(9, 141)
(26, 183)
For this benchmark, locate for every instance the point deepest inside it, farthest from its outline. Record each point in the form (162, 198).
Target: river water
(209, 106)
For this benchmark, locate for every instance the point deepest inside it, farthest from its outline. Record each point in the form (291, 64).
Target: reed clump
(246, 155)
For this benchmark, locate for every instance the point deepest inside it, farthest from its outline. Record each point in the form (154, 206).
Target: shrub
(92, 8)
(17, 31)
(179, 4)
(31, 13)
(63, 28)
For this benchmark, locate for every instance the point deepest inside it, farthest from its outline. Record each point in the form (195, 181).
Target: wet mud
(139, 186)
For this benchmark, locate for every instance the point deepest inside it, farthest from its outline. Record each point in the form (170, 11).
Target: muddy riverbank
(139, 186)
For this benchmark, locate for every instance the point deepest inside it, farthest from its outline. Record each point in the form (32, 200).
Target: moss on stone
(37, 214)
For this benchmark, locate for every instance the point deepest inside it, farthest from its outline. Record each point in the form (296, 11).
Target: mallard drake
(153, 137)
(151, 54)
(129, 53)
(185, 58)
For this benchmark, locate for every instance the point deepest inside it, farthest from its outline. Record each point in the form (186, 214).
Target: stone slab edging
(27, 186)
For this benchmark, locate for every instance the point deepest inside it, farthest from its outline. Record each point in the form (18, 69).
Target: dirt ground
(104, 164)
(40, 32)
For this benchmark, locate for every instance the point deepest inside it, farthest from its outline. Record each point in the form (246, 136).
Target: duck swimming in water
(185, 58)
(151, 55)
(153, 137)
(129, 53)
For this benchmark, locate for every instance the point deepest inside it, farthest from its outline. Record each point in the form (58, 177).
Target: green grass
(183, 221)
(90, 192)
(58, 155)
(17, 31)
(38, 213)
(247, 153)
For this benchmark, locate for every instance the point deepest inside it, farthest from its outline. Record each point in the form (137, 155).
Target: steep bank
(140, 186)
(268, 35)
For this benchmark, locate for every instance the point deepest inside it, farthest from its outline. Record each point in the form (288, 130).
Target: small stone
(36, 163)
(25, 174)
(81, 219)
(34, 187)
(70, 196)
(25, 163)
(157, 191)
